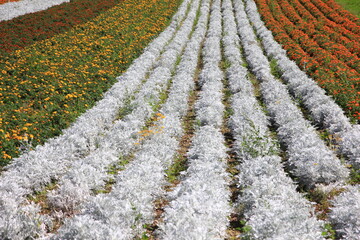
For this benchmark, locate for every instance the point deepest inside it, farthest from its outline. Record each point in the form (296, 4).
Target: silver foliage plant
(33, 170)
(75, 186)
(324, 111)
(309, 158)
(12, 10)
(269, 201)
(274, 209)
(199, 205)
(345, 214)
(121, 213)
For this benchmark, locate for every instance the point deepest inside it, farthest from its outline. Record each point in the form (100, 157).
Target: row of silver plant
(272, 207)
(327, 114)
(122, 213)
(309, 159)
(199, 206)
(33, 170)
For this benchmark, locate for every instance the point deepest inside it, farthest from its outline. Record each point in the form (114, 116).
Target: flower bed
(14, 9)
(28, 29)
(337, 77)
(44, 87)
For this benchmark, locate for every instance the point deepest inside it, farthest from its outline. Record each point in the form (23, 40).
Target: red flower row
(334, 16)
(320, 37)
(341, 28)
(342, 12)
(328, 62)
(307, 22)
(27, 29)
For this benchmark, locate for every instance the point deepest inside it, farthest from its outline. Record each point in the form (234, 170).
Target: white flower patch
(130, 203)
(311, 161)
(33, 170)
(12, 10)
(121, 213)
(209, 107)
(345, 215)
(324, 111)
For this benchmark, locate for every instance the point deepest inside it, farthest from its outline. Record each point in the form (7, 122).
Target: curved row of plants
(335, 38)
(331, 117)
(336, 76)
(260, 166)
(341, 11)
(311, 11)
(348, 22)
(46, 86)
(103, 177)
(160, 57)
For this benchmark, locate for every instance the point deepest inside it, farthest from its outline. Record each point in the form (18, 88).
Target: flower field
(14, 9)
(25, 30)
(192, 119)
(324, 43)
(45, 86)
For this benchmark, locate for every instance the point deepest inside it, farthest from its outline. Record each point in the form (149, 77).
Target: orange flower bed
(327, 50)
(346, 14)
(6, 1)
(334, 16)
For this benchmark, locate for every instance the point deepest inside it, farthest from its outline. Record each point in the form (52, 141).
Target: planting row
(342, 43)
(30, 28)
(139, 185)
(143, 106)
(341, 11)
(350, 23)
(337, 77)
(12, 10)
(310, 11)
(45, 86)
(322, 109)
(84, 140)
(199, 205)
(312, 162)
(102, 178)
(327, 114)
(269, 194)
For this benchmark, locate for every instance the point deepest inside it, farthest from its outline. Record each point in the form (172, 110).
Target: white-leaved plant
(345, 213)
(90, 173)
(199, 206)
(309, 158)
(122, 213)
(269, 201)
(322, 108)
(33, 170)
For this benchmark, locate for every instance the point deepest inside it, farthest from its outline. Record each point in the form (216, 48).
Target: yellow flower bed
(46, 86)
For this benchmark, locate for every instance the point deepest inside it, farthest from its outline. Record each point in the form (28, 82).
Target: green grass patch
(352, 6)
